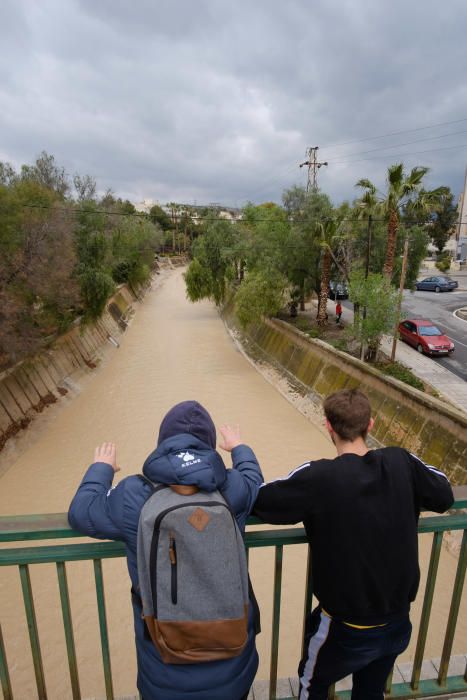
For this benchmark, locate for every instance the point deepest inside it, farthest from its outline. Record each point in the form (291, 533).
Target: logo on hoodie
(188, 459)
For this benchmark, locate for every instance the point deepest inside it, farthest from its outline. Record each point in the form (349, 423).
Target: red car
(425, 336)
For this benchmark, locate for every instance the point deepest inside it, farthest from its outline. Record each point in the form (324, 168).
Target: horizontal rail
(17, 528)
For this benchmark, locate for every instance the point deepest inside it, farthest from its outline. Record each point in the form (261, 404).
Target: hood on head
(184, 459)
(188, 417)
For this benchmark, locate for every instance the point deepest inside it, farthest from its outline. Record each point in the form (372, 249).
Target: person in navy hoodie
(100, 511)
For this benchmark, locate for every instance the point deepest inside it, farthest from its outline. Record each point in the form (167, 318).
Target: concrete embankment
(403, 416)
(30, 386)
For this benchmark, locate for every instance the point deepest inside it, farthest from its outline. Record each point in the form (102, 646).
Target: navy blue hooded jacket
(113, 513)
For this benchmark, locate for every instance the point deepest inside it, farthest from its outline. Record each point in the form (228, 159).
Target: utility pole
(367, 272)
(313, 166)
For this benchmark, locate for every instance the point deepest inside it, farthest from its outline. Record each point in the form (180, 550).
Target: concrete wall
(30, 386)
(403, 416)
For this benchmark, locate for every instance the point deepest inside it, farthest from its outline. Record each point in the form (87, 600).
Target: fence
(46, 527)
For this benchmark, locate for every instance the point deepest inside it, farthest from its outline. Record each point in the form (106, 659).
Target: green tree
(94, 259)
(199, 281)
(442, 225)
(260, 295)
(85, 187)
(135, 242)
(302, 254)
(214, 254)
(8, 175)
(47, 173)
(158, 216)
(379, 297)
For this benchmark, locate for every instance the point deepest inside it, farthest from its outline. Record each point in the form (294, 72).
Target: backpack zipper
(173, 567)
(155, 542)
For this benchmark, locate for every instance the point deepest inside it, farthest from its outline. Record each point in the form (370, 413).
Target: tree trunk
(323, 292)
(393, 225)
(302, 296)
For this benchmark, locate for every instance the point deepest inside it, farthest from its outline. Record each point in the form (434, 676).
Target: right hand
(107, 452)
(231, 437)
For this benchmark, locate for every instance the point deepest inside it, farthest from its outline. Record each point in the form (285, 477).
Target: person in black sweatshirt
(360, 512)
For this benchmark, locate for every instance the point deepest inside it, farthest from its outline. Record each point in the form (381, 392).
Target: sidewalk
(449, 385)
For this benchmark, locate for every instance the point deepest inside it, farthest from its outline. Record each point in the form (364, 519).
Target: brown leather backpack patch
(199, 519)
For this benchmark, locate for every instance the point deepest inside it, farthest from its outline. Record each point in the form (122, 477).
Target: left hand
(231, 437)
(107, 452)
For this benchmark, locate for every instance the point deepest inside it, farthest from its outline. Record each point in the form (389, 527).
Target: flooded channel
(172, 351)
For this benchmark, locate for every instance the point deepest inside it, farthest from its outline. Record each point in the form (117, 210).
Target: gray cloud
(217, 101)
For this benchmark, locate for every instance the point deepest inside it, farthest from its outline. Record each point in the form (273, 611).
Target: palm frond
(366, 184)
(395, 175)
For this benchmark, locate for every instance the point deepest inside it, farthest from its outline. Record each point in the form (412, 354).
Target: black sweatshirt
(360, 515)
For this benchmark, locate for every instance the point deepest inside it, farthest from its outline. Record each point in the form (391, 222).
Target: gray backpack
(193, 578)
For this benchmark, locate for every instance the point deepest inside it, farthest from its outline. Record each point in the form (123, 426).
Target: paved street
(448, 375)
(440, 308)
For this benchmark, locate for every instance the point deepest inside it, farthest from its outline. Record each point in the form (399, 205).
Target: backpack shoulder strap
(154, 487)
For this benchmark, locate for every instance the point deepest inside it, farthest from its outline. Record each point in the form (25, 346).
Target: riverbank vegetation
(63, 249)
(277, 257)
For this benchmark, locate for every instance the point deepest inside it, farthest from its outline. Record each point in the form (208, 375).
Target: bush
(339, 344)
(398, 371)
(303, 324)
(443, 261)
(443, 265)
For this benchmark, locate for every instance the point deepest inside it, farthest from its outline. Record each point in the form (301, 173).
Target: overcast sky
(216, 101)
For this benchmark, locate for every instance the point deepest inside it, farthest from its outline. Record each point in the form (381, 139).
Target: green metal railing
(47, 527)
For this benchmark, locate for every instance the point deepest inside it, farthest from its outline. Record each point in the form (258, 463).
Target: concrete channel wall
(28, 387)
(403, 416)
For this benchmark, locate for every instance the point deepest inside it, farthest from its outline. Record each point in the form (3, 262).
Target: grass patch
(398, 371)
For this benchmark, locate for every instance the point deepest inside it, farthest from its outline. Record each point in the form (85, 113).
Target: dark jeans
(245, 697)
(335, 650)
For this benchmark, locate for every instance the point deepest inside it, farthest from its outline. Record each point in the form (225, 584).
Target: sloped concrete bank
(403, 416)
(32, 385)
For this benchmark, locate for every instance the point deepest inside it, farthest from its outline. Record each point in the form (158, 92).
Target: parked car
(437, 283)
(338, 290)
(425, 336)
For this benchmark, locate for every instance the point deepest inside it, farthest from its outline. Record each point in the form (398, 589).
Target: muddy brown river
(172, 351)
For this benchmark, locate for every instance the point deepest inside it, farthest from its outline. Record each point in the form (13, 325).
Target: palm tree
(403, 190)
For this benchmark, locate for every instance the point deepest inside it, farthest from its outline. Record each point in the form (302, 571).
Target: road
(439, 309)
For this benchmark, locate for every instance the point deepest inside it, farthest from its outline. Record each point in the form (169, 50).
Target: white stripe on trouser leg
(316, 642)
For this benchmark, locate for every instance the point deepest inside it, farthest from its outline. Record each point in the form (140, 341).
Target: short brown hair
(349, 413)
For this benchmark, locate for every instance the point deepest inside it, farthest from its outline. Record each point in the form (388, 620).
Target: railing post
(68, 627)
(308, 596)
(453, 612)
(275, 621)
(426, 609)
(33, 632)
(109, 693)
(4, 675)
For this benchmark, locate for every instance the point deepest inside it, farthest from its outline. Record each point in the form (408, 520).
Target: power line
(297, 220)
(401, 155)
(395, 133)
(398, 145)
